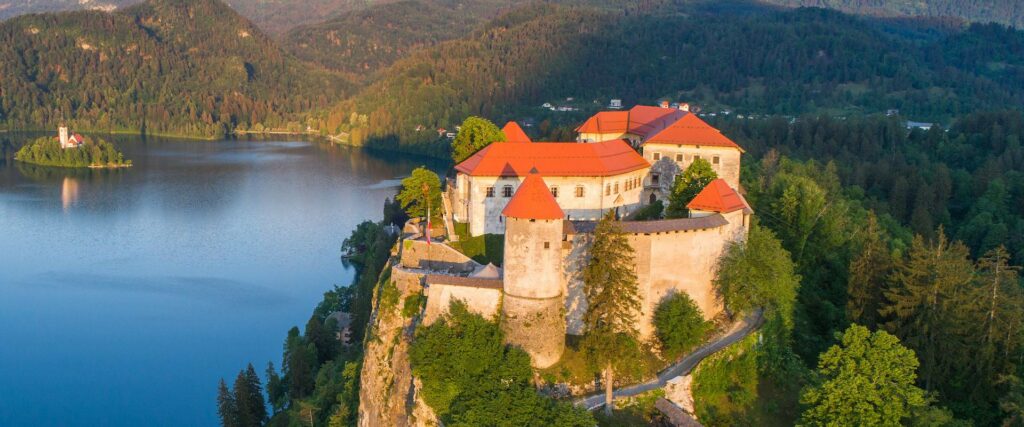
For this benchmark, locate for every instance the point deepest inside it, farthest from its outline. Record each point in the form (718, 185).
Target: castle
(545, 199)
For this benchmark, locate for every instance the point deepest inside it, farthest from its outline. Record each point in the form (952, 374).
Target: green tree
(300, 363)
(474, 134)
(323, 338)
(758, 273)
(277, 391)
(925, 301)
(679, 324)
(868, 379)
(248, 396)
(868, 274)
(613, 302)
(226, 408)
(413, 198)
(687, 185)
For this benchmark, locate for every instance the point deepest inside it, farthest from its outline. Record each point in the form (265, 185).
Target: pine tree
(687, 185)
(923, 304)
(323, 339)
(996, 313)
(226, 407)
(276, 391)
(248, 393)
(868, 274)
(613, 302)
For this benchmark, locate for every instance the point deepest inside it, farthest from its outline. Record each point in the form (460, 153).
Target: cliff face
(387, 392)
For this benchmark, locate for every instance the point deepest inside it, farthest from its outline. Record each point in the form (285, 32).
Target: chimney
(664, 104)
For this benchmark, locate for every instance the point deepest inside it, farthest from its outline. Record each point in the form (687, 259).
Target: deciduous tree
(687, 185)
(474, 134)
(413, 198)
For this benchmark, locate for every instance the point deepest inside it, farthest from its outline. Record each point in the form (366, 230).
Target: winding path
(736, 332)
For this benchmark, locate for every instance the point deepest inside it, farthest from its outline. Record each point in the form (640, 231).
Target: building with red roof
(514, 133)
(716, 197)
(634, 125)
(533, 200)
(585, 179)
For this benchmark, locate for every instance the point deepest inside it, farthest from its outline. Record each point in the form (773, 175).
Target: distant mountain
(1007, 12)
(190, 67)
(273, 16)
(756, 61)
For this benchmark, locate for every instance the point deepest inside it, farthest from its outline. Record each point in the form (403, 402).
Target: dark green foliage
(869, 273)
(650, 212)
(758, 273)
(471, 378)
(1003, 11)
(160, 67)
(322, 337)
(679, 324)
(243, 405)
(46, 151)
(687, 185)
(419, 191)
(412, 305)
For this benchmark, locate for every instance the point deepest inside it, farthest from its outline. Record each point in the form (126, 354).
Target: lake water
(125, 295)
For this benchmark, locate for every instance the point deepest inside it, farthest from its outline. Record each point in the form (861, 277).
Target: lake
(125, 295)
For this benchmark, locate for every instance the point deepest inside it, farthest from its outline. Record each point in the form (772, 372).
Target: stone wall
(436, 257)
(727, 168)
(537, 326)
(482, 301)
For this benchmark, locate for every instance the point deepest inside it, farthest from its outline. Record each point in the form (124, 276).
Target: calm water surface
(126, 295)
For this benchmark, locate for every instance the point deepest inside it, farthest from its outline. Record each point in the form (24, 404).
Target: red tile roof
(607, 158)
(640, 120)
(691, 130)
(533, 200)
(717, 196)
(514, 133)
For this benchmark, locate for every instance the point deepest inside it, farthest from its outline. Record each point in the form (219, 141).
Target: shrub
(679, 324)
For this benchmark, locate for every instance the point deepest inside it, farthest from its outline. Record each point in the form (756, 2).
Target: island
(72, 151)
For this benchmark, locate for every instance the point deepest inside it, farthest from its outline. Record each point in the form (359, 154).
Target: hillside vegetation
(769, 62)
(1009, 12)
(165, 66)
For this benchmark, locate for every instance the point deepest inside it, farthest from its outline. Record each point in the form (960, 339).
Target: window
(679, 158)
(547, 245)
(714, 160)
(696, 157)
(506, 191)
(490, 191)
(655, 179)
(608, 190)
(616, 187)
(554, 191)
(579, 191)
(656, 156)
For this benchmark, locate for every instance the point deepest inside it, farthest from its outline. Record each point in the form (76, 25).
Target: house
(919, 125)
(615, 104)
(586, 179)
(72, 141)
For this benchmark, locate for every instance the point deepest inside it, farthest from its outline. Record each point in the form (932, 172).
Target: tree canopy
(687, 185)
(474, 134)
(421, 188)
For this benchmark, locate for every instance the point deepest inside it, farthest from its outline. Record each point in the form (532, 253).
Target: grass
(489, 248)
(728, 389)
(635, 411)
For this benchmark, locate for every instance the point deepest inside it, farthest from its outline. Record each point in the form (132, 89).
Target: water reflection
(146, 285)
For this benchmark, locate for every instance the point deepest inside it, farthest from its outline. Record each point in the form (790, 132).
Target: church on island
(545, 199)
(69, 140)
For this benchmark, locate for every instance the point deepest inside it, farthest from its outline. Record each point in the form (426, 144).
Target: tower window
(490, 191)
(506, 191)
(554, 191)
(579, 191)
(547, 245)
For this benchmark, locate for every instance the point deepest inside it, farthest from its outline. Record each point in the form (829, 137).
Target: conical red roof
(533, 200)
(514, 133)
(717, 196)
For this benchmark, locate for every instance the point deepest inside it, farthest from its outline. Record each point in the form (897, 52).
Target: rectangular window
(608, 190)
(547, 245)
(656, 156)
(506, 191)
(579, 191)
(714, 160)
(696, 157)
(679, 158)
(490, 191)
(655, 179)
(616, 187)
(554, 192)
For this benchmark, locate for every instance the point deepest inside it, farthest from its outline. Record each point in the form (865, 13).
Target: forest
(1006, 12)
(94, 153)
(769, 62)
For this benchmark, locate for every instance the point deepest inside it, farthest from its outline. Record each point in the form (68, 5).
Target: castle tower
(532, 316)
(63, 131)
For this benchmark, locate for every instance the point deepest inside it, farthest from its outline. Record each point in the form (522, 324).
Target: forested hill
(762, 62)
(189, 67)
(1009, 12)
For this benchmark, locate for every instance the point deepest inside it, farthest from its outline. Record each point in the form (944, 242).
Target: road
(736, 332)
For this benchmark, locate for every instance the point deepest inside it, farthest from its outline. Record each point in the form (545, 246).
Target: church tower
(532, 308)
(64, 138)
